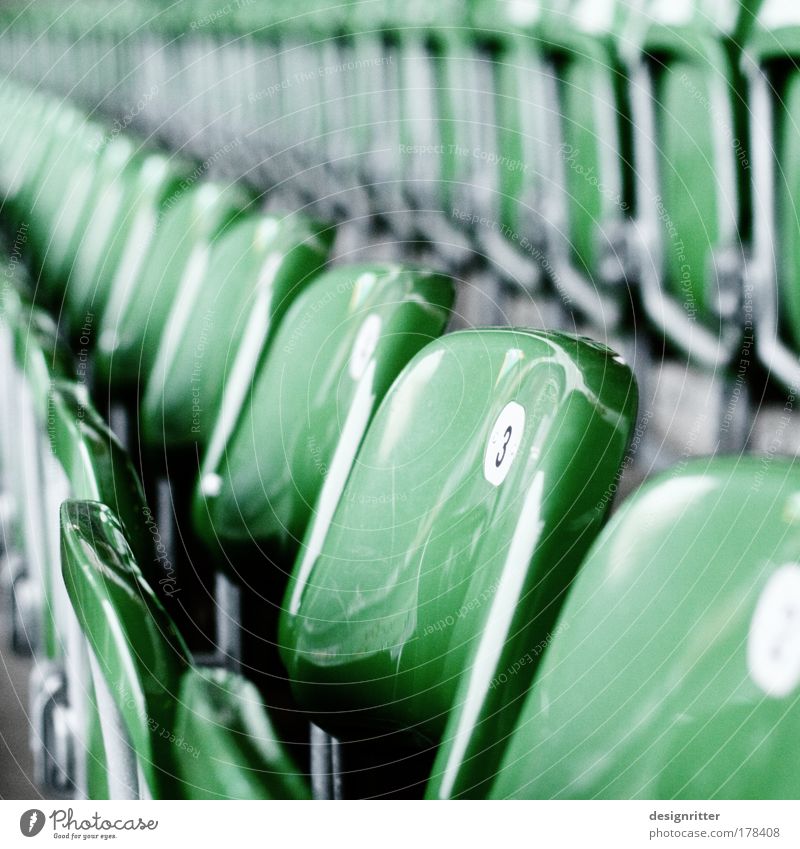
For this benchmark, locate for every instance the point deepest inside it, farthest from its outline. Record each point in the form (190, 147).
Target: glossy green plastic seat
(24, 148)
(188, 732)
(673, 670)
(223, 318)
(338, 349)
(42, 620)
(479, 486)
(591, 200)
(688, 122)
(773, 98)
(91, 465)
(520, 146)
(97, 468)
(438, 99)
(62, 197)
(130, 190)
(139, 305)
(65, 451)
(49, 160)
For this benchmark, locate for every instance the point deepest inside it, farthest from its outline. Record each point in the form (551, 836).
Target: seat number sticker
(365, 345)
(504, 442)
(773, 645)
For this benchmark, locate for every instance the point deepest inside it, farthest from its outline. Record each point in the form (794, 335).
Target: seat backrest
(692, 53)
(59, 192)
(133, 642)
(673, 671)
(123, 218)
(481, 482)
(787, 180)
(99, 469)
(23, 151)
(510, 35)
(138, 307)
(114, 170)
(338, 349)
(223, 318)
(223, 714)
(194, 733)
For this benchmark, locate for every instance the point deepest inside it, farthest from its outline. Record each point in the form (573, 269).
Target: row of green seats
(670, 671)
(335, 353)
(346, 334)
(484, 474)
(390, 623)
(606, 144)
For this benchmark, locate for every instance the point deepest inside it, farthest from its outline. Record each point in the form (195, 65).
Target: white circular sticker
(365, 345)
(504, 442)
(773, 645)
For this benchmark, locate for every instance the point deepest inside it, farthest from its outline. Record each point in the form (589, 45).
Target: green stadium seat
(24, 145)
(38, 357)
(673, 670)
(60, 194)
(772, 98)
(479, 486)
(518, 143)
(589, 215)
(139, 304)
(130, 191)
(337, 351)
(690, 188)
(376, 33)
(171, 730)
(438, 96)
(222, 320)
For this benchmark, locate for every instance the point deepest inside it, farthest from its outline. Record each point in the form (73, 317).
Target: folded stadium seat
(481, 483)
(589, 210)
(690, 193)
(368, 100)
(513, 146)
(673, 669)
(86, 461)
(283, 103)
(373, 104)
(175, 77)
(337, 351)
(308, 105)
(223, 319)
(139, 303)
(37, 358)
(52, 54)
(58, 195)
(91, 464)
(435, 59)
(772, 95)
(131, 189)
(9, 536)
(24, 147)
(468, 75)
(99, 43)
(217, 71)
(171, 730)
(345, 121)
